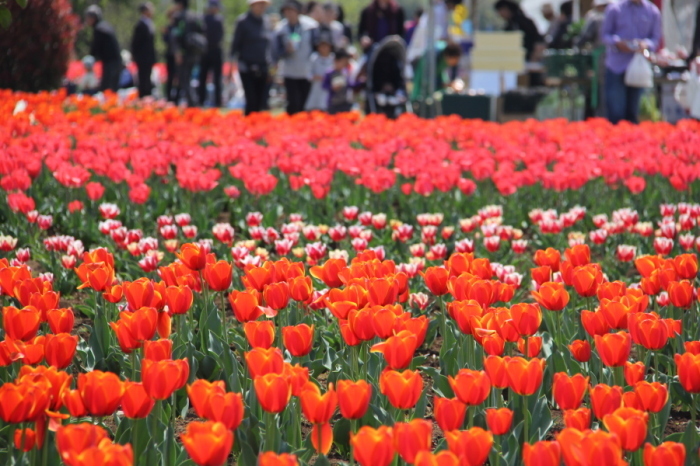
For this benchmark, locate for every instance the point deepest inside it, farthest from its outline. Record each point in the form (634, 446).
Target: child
(337, 83)
(321, 62)
(88, 83)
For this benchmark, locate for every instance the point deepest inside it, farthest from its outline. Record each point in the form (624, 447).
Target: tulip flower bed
(180, 287)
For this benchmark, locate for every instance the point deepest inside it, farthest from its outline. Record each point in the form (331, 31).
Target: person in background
(593, 21)
(629, 26)
(517, 21)
(321, 63)
(251, 48)
(447, 58)
(328, 21)
(126, 77)
(88, 83)
(380, 19)
(189, 43)
(561, 38)
(411, 25)
(170, 67)
(143, 49)
(340, 17)
(547, 12)
(104, 48)
(337, 82)
(294, 41)
(213, 58)
(695, 50)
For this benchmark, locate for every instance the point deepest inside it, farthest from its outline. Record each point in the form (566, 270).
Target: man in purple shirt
(630, 26)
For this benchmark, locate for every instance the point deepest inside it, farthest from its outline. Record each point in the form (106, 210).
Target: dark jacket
(214, 25)
(252, 40)
(105, 47)
(143, 49)
(531, 36)
(185, 25)
(372, 16)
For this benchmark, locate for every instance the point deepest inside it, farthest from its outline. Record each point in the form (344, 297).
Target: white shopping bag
(639, 72)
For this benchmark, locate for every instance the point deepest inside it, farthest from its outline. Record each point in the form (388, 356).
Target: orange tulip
(590, 447)
(361, 323)
(441, 458)
(162, 378)
(58, 380)
(60, 349)
(298, 376)
(270, 458)
(436, 280)
(688, 365)
(648, 330)
(398, 350)
(16, 402)
(686, 266)
(449, 413)
(301, 289)
(462, 313)
(568, 391)
(158, 350)
(534, 346)
(471, 446)
(74, 402)
(630, 425)
(98, 276)
(179, 299)
(634, 372)
(105, 453)
(614, 348)
(193, 256)
(416, 325)
(410, 438)
(373, 447)
(73, 439)
(348, 335)
(586, 278)
(499, 420)
(403, 389)
(470, 386)
(525, 376)
(226, 408)
(245, 305)
(526, 317)
(136, 403)
(328, 272)
(60, 320)
(142, 323)
(550, 257)
(125, 335)
(680, 293)
(353, 398)
(666, 454)
(298, 339)
(218, 275)
(541, 274)
(21, 324)
(113, 293)
(33, 350)
(25, 439)
(318, 408)
(276, 295)
(262, 361)
(140, 293)
(199, 391)
(580, 350)
(542, 454)
(552, 296)
(579, 419)
(208, 443)
(101, 392)
(692, 347)
(260, 334)
(273, 392)
(595, 323)
(652, 396)
(605, 399)
(321, 438)
(384, 320)
(495, 367)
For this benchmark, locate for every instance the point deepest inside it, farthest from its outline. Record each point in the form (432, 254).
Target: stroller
(386, 83)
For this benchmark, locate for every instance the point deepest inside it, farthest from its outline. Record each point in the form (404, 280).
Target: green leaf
(5, 17)
(248, 456)
(341, 433)
(322, 461)
(22, 3)
(690, 440)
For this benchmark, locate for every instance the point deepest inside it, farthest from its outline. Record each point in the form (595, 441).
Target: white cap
(250, 2)
(600, 2)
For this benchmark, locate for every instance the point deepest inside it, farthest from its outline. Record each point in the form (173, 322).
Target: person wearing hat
(590, 34)
(321, 63)
(188, 43)
(294, 39)
(104, 48)
(251, 48)
(212, 60)
(143, 48)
